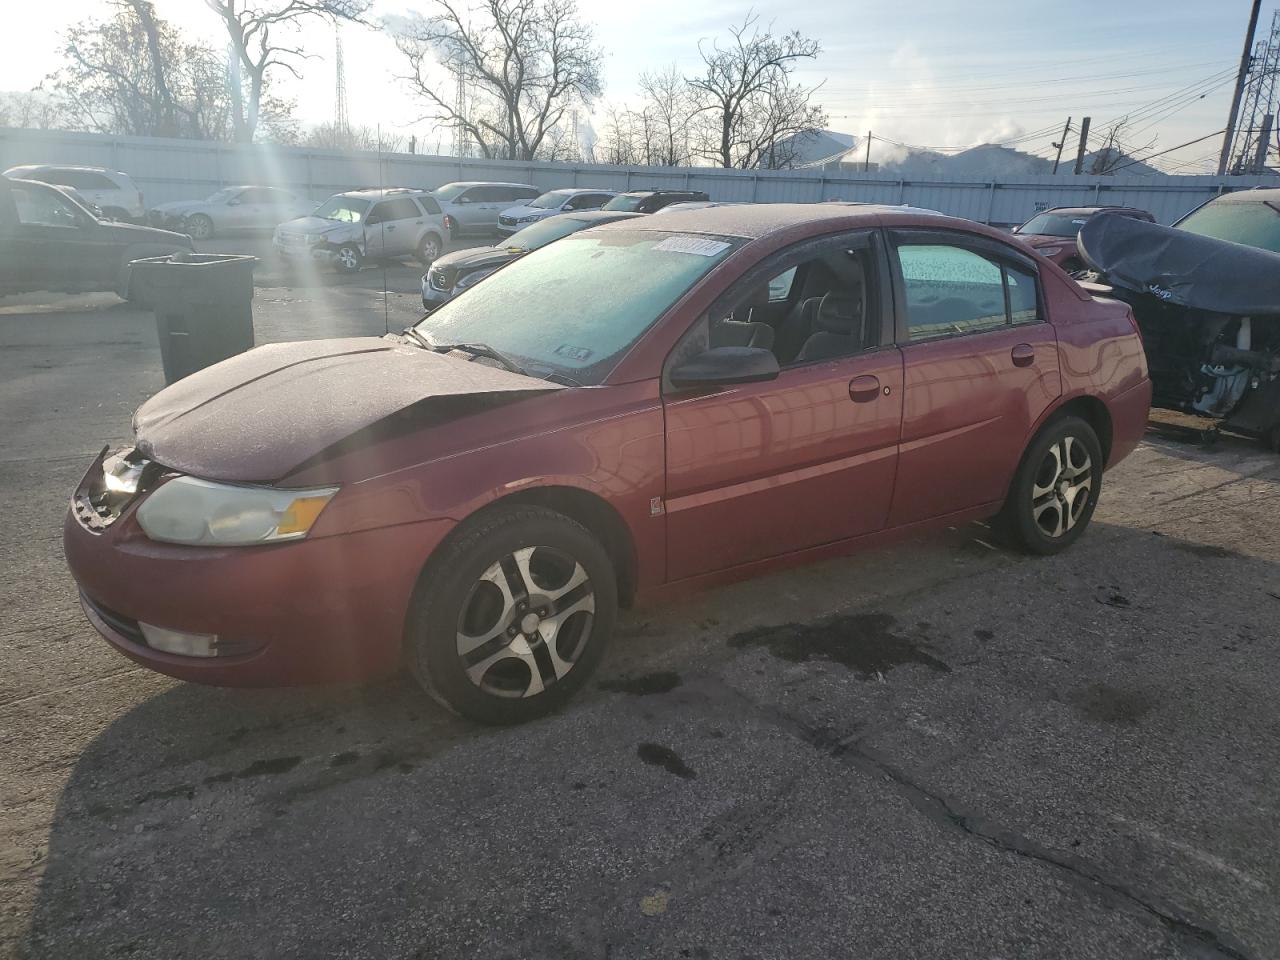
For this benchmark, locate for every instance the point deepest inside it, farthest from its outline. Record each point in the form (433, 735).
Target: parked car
(622, 411)
(651, 201)
(1052, 233)
(455, 272)
(349, 228)
(230, 210)
(49, 241)
(110, 190)
(551, 203)
(1206, 293)
(472, 208)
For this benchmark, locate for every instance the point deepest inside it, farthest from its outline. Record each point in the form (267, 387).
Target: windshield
(220, 197)
(1054, 225)
(1253, 223)
(550, 201)
(624, 202)
(576, 305)
(540, 234)
(450, 191)
(346, 209)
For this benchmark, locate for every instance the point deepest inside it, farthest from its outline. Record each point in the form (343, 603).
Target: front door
(760, 470)
(981, 367)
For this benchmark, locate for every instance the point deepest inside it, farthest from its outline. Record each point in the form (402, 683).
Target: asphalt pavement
(935, 750)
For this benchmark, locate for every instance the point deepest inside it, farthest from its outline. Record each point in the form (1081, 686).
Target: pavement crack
(1213, 944)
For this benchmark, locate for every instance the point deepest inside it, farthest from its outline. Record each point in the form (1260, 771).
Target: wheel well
(594, 513)
(1094, 412)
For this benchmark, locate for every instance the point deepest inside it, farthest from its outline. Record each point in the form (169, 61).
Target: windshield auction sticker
(695, 245)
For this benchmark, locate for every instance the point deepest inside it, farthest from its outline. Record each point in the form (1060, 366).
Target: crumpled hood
(178, 208)
(327, 228)
(1181, 267)
(258, 416)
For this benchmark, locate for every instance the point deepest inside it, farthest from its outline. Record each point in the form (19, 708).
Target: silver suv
(110, 191)
(351, 227)
(473, 208)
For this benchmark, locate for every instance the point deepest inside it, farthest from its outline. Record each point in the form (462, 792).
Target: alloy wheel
(1062, 486)
(429, 250)
(525, 622)
(347, 259)
(201, 227)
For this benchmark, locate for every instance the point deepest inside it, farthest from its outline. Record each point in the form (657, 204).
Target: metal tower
(341, 125)
(1252, 142)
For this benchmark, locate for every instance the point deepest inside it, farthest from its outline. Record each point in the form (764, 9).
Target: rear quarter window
(429, 205)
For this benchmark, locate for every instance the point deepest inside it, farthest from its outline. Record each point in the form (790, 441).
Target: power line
(1189, 143)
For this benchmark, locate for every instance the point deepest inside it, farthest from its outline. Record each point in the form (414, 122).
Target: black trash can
(203, 304)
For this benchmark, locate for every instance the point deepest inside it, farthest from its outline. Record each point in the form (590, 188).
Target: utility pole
(1060, 144)
(1084, 141)
(1241, 76)
(866, 167)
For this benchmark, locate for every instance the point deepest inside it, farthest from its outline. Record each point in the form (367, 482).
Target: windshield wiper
(413, 333)
(482, 350)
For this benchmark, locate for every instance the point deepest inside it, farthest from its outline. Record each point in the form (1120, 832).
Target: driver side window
(43, 208)
(822, 305)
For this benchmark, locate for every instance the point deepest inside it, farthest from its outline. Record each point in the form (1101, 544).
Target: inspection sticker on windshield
(694, 245)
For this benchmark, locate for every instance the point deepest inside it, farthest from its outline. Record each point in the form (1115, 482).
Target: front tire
(1056, 488)
(513, 615)
(348, 259)
(199, 227)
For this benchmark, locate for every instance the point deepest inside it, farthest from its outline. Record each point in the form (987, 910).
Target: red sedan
(660, 402)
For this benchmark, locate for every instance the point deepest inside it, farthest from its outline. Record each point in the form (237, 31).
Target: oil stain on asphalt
(662, 681)
(1104, 703)
(863, 642)
(657, 755)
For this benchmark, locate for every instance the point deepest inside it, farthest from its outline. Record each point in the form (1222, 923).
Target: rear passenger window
(1024, 305)
(402, 208)
(80, 179)
(950, 291)
(523, 193)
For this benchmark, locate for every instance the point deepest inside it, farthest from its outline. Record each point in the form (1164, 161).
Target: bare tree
(620, 142)
(31, 110)
(135, 74)
(1114, 152)
(748, 104)
(254, 28)
(328, 137)
(522, 65)
(666, 118)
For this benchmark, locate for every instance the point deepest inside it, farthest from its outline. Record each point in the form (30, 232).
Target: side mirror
(724, 366)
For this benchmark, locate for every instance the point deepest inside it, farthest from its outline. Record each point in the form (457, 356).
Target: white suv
(110, 191)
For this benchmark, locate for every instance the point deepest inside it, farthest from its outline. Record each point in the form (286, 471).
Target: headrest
(840, 312)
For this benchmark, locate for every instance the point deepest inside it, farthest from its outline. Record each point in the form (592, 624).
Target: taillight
(449, 222)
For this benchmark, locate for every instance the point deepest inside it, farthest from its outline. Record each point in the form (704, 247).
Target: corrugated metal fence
(186, 169)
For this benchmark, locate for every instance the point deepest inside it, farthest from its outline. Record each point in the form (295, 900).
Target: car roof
(654, 191)
(34, 167)
(484, 183)
(383, 193)
(752, 221)
(568, 190)
(1089, 211)
(1256, 195)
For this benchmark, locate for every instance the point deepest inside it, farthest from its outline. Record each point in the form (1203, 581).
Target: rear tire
(512, 616)
(1056, 488)
(429, 249)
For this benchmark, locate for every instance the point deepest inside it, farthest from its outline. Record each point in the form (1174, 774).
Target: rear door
(392, 228)
(980, 368)
(760, 470)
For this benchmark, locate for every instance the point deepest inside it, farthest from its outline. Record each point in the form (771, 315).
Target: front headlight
(199, 512)
(470, 278)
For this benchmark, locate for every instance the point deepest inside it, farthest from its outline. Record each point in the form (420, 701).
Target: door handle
(1023, 355)
(864, 389)
(392, 227)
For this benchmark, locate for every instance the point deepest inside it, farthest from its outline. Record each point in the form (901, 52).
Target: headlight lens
(199, 512)
(470, 278)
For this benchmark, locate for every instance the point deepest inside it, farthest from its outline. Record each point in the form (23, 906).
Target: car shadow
(238, 823)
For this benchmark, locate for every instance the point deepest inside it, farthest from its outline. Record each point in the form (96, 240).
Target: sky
(934, 73)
